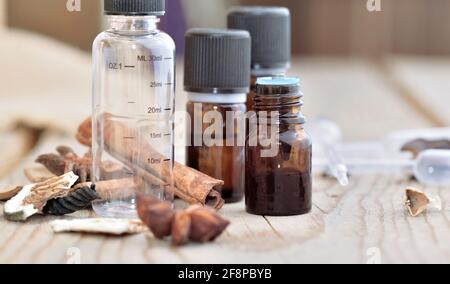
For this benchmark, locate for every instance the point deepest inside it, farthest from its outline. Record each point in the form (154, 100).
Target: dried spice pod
(157, 215)
(76, 201)
(181, 229)
(206, 224)
(419, 145)
(197, 223)
(417, 202)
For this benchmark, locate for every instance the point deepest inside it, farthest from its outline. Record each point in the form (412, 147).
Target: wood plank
(54, 90)
(14, 146)
(353, 93)
(427, 84)
(343, 226)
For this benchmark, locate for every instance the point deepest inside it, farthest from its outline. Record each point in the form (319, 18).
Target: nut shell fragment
(157, 215)
(181, 229)
(206, 224)
(416, 201)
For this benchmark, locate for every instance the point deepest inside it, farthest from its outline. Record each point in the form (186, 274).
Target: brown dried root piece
(419, 145)
(196, 224)
(417, 202)
(10, 192)
(99, 226)
(84, 134)
(32, 198)
(191, 185)
(68, 161)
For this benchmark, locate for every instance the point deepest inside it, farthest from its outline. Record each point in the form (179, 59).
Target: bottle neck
(238, 98)
(269, 71)
(288, 106)
(132, 24)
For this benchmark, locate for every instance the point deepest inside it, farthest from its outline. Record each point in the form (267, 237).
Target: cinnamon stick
(112, 189)
(126, 144)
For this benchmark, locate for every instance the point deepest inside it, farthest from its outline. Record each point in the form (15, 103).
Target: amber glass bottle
(270, 29)
(216, 65)
(279, 184)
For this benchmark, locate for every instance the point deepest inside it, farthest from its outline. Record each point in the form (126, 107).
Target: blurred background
(341, 27)
(371, 72)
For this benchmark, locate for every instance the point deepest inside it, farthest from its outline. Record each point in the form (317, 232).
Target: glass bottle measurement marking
(152, 58)
(157, 110)
(156, 135)
(157, 161)
(140, 58)
(156, 84)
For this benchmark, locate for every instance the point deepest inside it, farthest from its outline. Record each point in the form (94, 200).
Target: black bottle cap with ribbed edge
(217, 61)
(135, 7)
(270, 29)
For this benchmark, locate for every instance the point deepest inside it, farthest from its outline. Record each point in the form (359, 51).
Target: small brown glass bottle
(217, 67)
(278, 176)
(270, 29)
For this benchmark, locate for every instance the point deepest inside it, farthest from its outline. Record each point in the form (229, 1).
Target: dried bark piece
(75, 201)
(54, 163)
(419, 145)
(99, 226)
(66, 151)
(417, 202)
(206, 224)
(10, 192)
(181, 229)
(191, 185)
(195, 187)
(32, 198)
(38, 174)
(68, 161)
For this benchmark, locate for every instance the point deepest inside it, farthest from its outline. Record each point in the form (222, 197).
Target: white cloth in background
(43, 82)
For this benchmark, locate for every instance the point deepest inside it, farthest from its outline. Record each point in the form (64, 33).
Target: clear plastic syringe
(325, 134)
(432, 167)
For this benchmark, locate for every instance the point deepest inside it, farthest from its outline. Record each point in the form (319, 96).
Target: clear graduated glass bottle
(133, 107)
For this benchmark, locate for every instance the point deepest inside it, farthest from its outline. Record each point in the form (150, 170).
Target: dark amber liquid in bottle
(280, 185)
(275, 191)
(226, 163)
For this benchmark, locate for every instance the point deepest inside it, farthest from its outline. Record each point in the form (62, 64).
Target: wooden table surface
(365, 222)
